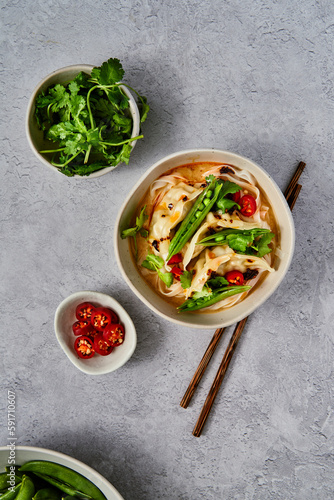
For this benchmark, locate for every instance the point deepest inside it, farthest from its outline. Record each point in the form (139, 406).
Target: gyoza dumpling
(208, 262)
(170, 210)
(243, 262)
(223, 259)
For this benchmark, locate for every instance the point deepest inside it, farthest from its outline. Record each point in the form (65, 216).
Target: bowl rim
(30, 112)
(80, 364)
(64, 457)
(251, 308)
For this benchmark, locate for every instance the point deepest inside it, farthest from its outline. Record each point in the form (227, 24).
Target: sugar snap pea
(27, 489)
(10, 468)
(7, 478)
(66, 488)
(221, 237)
(196, 215)
(48, 494)
(58, 475)
(11, 493)
(213, 298)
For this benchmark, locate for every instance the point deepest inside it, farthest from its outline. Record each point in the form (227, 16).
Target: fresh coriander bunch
(89, 120)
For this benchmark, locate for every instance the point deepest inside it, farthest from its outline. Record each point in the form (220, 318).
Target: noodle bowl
(169, 192)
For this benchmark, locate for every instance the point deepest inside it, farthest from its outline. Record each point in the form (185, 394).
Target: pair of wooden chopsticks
(291, 194)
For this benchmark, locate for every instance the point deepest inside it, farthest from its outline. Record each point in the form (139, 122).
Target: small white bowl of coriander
(82, 122)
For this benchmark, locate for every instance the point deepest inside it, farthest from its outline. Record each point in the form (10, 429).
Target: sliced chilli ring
(84, 347)
(102, 317)
(114, 334)
(84, 311)
(235, 277)
(102, 346)
(247, 205)
(82, 327)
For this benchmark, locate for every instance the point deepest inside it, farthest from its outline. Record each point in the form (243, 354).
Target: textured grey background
(251, 76)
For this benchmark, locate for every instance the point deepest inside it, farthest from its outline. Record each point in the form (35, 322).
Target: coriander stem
(66, 162)
(122, 142)
(87, 153)
(91, 119)
(133, 90)
(52, 150)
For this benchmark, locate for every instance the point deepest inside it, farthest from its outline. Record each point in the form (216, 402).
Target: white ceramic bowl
(24, 454)
(35, 135)
(97, 365)
(252, 301)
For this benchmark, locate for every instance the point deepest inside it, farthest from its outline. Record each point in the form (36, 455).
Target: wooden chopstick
(219, 377)
(291, 195)
(294, 180)
(201, 367)
(294, 195)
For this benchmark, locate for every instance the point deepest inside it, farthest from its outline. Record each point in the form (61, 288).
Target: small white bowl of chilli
(204, 238)
(95, 332)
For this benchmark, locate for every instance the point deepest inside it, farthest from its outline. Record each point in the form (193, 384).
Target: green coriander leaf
(124, 154)
(153, 262)
(205, 292)
(61, 131)
(217, 282)
(81, 169)
(131, 231)
(239, 242)
(64, 114)
(103, 108)
(93, 137)
(140, 221)
(262, 244)
(117, 97)
(111, 72)
(110, 136)
(74, 144)
(74, 88)
(225, 204)
(186, 279)
(229, 188)
(167, 278)
(43, 101)
(95, 74)
(60, 96)
(82, 80)
(77, 104)
(148, 265)
(123, 122)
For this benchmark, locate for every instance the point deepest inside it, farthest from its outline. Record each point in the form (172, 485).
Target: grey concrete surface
(250, 76)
